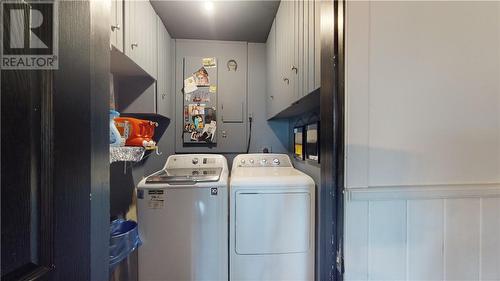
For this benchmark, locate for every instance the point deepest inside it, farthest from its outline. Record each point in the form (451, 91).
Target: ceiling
(237, 20)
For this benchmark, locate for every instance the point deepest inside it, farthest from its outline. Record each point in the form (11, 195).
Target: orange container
(140, 132)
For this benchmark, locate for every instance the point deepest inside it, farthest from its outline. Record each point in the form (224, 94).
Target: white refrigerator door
(184, 233)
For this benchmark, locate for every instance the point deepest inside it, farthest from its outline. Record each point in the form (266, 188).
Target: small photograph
(189, 128)
(190, 84)
(200, 96)
(298, 143)
(201, 78)
(207, 135)
(186, 114)
(210, 115)
(196, 109)
(198, 122)
(312, 142)
(209, 62)
(195, 136)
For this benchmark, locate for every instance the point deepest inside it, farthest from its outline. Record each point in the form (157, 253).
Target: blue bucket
(123, 241)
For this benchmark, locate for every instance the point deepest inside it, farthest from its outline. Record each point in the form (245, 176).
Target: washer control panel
(195, 161)
(262, 160)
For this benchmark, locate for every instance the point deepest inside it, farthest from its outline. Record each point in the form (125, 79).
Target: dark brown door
(55, 153)
(26, 131)
(26, 189)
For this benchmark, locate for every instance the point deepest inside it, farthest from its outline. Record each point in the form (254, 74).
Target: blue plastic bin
(123, 241)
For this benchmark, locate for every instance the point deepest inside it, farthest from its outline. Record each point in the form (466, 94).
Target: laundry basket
(123, 243)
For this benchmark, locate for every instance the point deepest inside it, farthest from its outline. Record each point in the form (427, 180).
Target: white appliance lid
(270, 177)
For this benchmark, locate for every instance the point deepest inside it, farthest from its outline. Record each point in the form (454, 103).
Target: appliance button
(195, 161)
(263, 161)
(276, 161)
(251, 161)
(242, 161)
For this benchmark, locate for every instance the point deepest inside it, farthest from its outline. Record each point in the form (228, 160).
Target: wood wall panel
(356, 229)
(490, 236)
(425, 240)
(417, 112)
(423, 131)
(387, 240)
(430, 239)
(461, 242)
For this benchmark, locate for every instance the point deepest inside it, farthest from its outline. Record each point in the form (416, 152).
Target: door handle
(134, 45)
(115, 27)
(295, 69)
(286, 80)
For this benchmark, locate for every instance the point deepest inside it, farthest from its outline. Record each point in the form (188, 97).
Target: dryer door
(272, 222)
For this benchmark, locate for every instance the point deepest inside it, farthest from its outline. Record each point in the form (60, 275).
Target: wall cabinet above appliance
(142, 52)
(117, 24)
(140, 34)
(133, 27)
(165, 55)
(293, 54)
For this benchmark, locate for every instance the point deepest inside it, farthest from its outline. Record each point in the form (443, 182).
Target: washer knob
(242, 161)
(251, 161)
(276, 161)
(195, 161)
(263, 161)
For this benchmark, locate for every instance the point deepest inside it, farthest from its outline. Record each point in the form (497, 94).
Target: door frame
(330, 201)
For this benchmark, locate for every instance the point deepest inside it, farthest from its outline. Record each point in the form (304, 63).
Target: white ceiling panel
(218, 20)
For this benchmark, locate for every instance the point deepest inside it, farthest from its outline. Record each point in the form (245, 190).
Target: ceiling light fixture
(209, 7)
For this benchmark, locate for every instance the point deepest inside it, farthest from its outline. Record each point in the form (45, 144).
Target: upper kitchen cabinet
(271, 103)
(165, 55)
(140, 35)
(293, 54)
(308, 47)
(285, 49)
(117, 24)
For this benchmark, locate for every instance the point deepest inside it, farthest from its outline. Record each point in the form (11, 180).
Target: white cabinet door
(117, 24)
(149, 31)
(310, 46)
(285, 55)
(140, 34)
(290, 43)
(272, 77)
(317, 45)
(131, 40)
(299, 69)
(163, 79)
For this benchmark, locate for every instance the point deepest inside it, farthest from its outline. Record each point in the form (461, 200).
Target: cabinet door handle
(163, 96)
(134, 45)
(272, 97)
(115, 27)
(286, 80)
(295, 69)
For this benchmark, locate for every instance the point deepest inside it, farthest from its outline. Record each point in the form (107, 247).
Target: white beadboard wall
(422, 140)
(423, 239)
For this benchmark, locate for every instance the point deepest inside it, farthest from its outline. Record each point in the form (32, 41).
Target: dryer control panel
(262, 160)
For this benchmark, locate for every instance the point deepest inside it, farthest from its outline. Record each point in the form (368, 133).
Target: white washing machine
(183, 220)
(271, 221)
